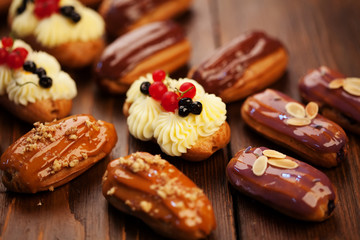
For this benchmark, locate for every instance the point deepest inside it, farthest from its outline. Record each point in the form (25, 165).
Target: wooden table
(315, 32)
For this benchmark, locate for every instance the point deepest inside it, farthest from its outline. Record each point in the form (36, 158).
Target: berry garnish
(3, 55)
(45, 8)
(185, 102)
(169, 101)
(45, 82)
(184, 111)
(29, 66)
(144, 87)
(14, 60)
(187, 90)
(22, 52)
(75, 17)
(157, 90)
(158, 75)
(40, 72)
(196, 108)
(7, 42)
(66, 10)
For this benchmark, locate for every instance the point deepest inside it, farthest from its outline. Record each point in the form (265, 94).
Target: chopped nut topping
(56, 166)
(84, 155)
(273, 154)
(260, 165)
(74, 162)
(111, 191)
(51, 188)
(145, 206)
(71, 131)
(73, 137)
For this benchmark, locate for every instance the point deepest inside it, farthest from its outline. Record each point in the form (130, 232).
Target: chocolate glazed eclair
(317, 139)
(336, 104)
(159, 45)
(297, 189)
(246, 65)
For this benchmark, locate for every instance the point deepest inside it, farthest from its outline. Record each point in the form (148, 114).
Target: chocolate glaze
(227, 64)
(123, 13)
(127, 51)
(314, 87)
(136, 187)
(34, 168)
(322, 135)
(298, 192)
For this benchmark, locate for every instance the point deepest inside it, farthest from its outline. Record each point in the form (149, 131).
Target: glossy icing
(268, 109)
(127, 51)
(227, 64)
(314, 87)
(296, 192)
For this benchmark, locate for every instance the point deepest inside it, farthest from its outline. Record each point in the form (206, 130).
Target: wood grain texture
(315, 32)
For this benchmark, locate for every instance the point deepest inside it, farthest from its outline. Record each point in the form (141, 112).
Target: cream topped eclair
(32, 84)
(183, 119)
(66, 29)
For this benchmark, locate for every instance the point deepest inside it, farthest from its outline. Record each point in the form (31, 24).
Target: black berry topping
(196, 108)
(45, 82)
(185, 102)
(29, 66)
(40, 72)
(144, 88)
(69, 12)
(184, 111)
(22, 7)
(75, 17)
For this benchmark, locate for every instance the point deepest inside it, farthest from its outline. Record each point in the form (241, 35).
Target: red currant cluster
(14, 58)
(171, 100)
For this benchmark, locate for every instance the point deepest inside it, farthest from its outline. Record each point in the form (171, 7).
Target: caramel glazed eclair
(283, 183)
(338, 97)
(54, 153)
(282, 119)
(247, 64)
(193, 129)
(155, 191)
(124, 15)
(159, 45)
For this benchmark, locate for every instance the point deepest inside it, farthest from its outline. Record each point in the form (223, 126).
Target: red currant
(158, 75)
(22, 52)
(187, 90)
(3, 55)
(14, 60)
(45, 8)
(7, 42)
(169, 101)
(157, 90)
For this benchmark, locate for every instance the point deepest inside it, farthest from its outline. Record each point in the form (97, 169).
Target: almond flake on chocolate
(260, 165)
(352, 86)
(311, 110)
(295, 109)
(336, 83)
(298, 121)
(273, 154)
(283, 163)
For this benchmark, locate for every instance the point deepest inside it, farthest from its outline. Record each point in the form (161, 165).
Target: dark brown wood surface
(315, 32)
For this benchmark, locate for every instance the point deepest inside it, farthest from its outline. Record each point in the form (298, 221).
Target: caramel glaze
(314, 87)
(157, 183)
(120, 57)
(31, 162)
(322, 135)
(226, 65)
(123, 13)
(303, 193)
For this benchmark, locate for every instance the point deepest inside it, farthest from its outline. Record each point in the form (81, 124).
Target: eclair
(32, 85)
(288, 123)
(155, 191)
(54, 153)
(288, 185)
(159, 45)
(247, 64)
(338, 97)
(177, 114)
(66, 29)
(121, 16)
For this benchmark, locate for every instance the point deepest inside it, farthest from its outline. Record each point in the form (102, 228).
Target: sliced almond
(336, 83)
(273, 154)
(298, 121)
(311, 110)
(283, 163)
(260, 165)
(352, 86)
(295, 109)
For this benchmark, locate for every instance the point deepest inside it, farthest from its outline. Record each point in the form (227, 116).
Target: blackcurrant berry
(75, 17)
(45, 82)
(40, 72)
(67, 10)
(196, 108)
(144, 87)
(184, 111)
(185, 102)
(29, 66)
